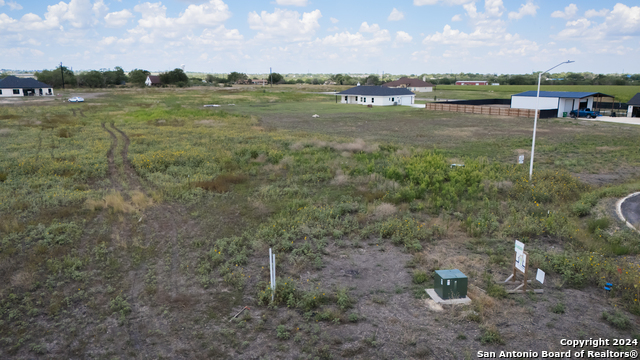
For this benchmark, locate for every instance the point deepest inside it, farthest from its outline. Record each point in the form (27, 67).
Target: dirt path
(111, 161)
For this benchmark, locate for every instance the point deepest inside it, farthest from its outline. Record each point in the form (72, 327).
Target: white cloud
(333, 28)
(624, 20)
(347, 39)
(525, 9)
(13, 5)
(456, 17)
(1, 2)
(568, 12)
(395, 15)
(369, 29)
(292, 2)
(213, 12)
(403, 37)
(572, 51)
(444, 2)
(118, 18)
(99, 8)
(334, 20)
(286, 24)
(593, 13)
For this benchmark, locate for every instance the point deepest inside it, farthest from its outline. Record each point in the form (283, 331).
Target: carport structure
(562, 101)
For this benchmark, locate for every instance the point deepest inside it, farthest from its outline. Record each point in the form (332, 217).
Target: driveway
(628, 210)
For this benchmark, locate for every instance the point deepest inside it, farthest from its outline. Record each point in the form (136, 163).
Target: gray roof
(376, 91)
(12, 82)
(635, 101)
(562, 94)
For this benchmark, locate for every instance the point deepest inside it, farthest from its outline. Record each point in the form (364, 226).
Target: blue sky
(297, 36)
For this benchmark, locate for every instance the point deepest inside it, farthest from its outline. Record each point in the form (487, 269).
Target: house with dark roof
(15, 86)
(153, 80)
(415, 85)
(562, 101)
(377, 96)
(634, 106)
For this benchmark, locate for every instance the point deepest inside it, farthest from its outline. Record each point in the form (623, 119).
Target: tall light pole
(535, 121)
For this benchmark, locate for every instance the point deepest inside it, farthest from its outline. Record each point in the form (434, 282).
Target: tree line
(107, 78)
(177, 77)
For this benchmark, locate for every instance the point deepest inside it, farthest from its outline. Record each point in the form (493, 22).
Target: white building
(562, 101)
(415, 85)
(634, 106)
(377, 96)
(14, 86)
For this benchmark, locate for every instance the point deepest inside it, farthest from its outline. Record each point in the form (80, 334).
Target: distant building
(377, 96)
(562, 101)
(13, 86)
(259, 82)
(153, 80)
(634, 106)
(415, 85)
(473, 82)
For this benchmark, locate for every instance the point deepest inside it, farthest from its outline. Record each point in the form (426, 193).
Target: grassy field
(621, 93)
(136, 224)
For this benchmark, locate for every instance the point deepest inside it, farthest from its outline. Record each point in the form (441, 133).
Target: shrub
(221, 183)
(353, 317)
(617, 319)
(558, 308)
(491, 335)
(282, 333)
(420, 277)
(602, 224)
(344, 301)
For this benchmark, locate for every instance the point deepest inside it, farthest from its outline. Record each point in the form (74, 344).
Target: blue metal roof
(562, 94)
(15, 82)
(376, 91)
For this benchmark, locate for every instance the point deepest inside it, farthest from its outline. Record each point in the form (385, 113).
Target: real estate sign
(519, 248)
(521, 261)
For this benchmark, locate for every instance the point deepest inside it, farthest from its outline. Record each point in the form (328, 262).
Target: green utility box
(564, 114)
(450, 284)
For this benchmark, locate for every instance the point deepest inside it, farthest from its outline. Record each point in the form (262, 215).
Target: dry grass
(23, 279)
(140, 200)
(222, 183)
(208, 122)
(340, 178)
(260, 159)
(384, 210)
(483, 304)
(353, 147)
(116, 202)
(9, 224)
(4, 132)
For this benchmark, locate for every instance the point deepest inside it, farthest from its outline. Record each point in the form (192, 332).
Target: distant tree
(235, 76)
(115, 76)
(444, 81)
(174, 77)
(54, 77)
(372, 80)
(91, 79)
(210, 78)
(138, 76)
(275, 78)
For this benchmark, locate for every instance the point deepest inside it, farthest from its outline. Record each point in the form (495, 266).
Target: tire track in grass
(123, 229)
(168, 216)
(136, 182)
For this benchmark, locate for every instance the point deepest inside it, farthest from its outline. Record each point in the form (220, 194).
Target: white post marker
(540, 276)
(271, 273)
(521, 159)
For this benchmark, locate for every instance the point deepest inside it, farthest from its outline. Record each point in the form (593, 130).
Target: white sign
(519, 247)
(540, 276)
(521, 159)
(521, 261)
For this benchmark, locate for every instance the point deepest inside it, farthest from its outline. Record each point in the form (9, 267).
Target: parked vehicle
(76, 99)
(584, 113)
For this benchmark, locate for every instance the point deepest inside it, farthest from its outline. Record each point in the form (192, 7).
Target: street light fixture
(535, 121)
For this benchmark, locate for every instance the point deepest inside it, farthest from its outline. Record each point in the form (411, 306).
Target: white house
(377, 96)
(153, 80)
(14, 86)
(634, 106)
(415, 85)
(562, 101)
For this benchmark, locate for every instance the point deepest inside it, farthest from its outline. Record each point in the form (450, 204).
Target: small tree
(235, 76)
(275, 78)
(175, 76)
(138, 76)
(91, 79)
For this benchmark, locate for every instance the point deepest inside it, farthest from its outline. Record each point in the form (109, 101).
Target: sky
(328, 36)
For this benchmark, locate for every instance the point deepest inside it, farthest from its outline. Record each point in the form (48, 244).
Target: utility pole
(62, 72)
(270, 77)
